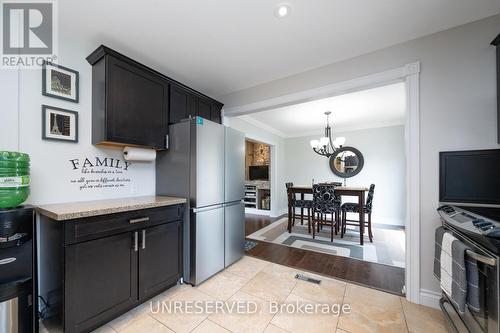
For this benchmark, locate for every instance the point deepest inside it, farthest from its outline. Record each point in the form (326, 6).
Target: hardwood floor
(257, 222)
(382, 277)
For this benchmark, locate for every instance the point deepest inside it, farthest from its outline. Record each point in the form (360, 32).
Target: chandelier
(325, 146)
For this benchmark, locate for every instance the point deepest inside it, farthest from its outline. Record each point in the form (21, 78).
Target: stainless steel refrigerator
(206, 164)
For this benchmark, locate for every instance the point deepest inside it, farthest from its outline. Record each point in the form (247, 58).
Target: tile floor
(260, 282)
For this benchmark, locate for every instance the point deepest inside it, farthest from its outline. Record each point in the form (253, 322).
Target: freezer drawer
(234, 221)
(207, 238)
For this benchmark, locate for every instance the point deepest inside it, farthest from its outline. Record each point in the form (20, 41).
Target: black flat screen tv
(471, 176)
(258, 172)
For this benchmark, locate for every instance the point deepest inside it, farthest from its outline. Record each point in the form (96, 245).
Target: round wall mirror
(347, 162)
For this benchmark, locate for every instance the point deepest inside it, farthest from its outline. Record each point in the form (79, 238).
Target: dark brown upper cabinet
(129, 102)
(185, 103)
(180, 104)
(215, 112)
(133, 104)
(496, 42)
(204, 108)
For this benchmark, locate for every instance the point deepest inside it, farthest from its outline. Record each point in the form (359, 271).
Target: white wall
(278, 194)
(51, 170)
(384, 152)
(457, 103)
(9, 97)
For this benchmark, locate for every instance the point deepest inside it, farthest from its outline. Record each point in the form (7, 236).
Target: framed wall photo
(59, 124)
(60, 82)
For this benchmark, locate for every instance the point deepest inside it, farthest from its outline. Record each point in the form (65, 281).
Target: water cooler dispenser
(17, 269)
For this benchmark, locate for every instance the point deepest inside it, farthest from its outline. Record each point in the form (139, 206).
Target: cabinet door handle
(144, 239)
(136, 241)
(139, 220)
(7, 261)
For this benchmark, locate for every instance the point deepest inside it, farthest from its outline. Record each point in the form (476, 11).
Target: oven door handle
(485, 260)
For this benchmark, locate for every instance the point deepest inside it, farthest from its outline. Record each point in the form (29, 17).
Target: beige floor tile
(422, 319)
(181, 322)
(273, 283)
(269, 287)
(372, 311)
(282, 271)
(169, 293)
(274, 329)
(209, 326)
(296, 322)
(247, 267)
(129, 317)
(126, 319)
(245, 322)
(223, 285)
(104, 329)
(42, 328)
(146, 323)
(50, 326)
(329, 291)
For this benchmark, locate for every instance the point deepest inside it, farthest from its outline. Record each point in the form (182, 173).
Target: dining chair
(353, 207)
(299, 203)
(325, 202)
(336, 184)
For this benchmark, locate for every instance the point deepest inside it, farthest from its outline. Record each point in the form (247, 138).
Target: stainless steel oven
(487, 319)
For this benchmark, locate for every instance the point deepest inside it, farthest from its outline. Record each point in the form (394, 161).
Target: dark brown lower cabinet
(106, 265)
(100, 281)
(160, 260)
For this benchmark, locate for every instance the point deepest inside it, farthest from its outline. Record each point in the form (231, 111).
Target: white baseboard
(257, 211)
(283, 212)
(430, 298)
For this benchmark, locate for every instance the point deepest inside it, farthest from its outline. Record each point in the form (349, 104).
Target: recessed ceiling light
(282, 10)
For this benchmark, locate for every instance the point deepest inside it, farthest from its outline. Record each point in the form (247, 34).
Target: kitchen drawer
(89, 228)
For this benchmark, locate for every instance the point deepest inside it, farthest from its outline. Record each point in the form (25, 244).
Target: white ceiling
(377, 107)
(223, 46)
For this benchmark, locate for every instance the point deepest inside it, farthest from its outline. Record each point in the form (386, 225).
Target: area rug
(388, 245)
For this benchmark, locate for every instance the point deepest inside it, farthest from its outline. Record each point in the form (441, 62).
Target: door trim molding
(410, 75)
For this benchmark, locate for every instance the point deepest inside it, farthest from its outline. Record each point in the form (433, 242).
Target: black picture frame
(359, 155)
(46, 92)
(47, 108)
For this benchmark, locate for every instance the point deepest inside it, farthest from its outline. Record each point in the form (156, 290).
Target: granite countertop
(74, 210)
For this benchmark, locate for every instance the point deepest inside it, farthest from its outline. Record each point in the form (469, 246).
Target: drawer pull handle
(136, 241)
(142, 219)
(7, 261)
(143, 239)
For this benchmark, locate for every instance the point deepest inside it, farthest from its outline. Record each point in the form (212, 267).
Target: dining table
(348, 191)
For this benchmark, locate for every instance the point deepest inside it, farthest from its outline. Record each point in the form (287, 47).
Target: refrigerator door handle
(204, 209)
(234, 203)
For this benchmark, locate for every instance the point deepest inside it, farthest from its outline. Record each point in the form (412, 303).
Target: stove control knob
(493, 233)
(478, 222)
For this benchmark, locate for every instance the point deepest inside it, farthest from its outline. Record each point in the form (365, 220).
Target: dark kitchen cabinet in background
(204, 108)
(133, 104)
(181, 106)
(185, 103)
(129, 102)
(215, 112)
(100, 281)
(160, 244)
(103, 266)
